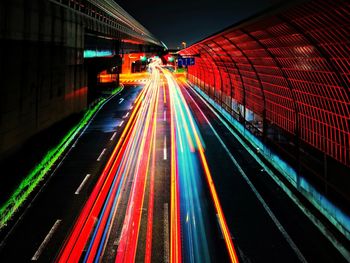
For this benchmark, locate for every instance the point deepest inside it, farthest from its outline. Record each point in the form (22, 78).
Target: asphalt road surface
(157, 177)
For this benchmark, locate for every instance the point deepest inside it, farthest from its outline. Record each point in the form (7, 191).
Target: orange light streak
(175, 233)
(73, 247)
(148, 252)
(164, 94)
(222, 220)
(128, 245)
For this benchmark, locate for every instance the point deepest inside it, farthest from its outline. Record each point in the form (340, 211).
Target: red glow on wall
(81, 92)
(292, 69)
(104, 77)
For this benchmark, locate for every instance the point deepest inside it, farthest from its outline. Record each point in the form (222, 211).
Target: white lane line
(266, 207)
(46, 240)
(166, 233)
(120, 124)
(131, 107)
(164, 115)
(121, 100)
(112, 138)
(321, 227)
(82, 184)
(255, 191)
(20, 218)
(101, 154)
(164, 149)
(126, 115)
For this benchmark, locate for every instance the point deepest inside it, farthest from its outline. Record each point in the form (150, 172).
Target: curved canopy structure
(291, 67)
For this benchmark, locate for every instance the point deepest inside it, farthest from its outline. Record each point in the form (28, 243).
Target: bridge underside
(43, 44)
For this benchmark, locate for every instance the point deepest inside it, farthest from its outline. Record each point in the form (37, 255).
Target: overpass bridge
(51, 54)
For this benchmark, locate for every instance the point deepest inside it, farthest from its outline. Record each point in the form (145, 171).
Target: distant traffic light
(143, 58)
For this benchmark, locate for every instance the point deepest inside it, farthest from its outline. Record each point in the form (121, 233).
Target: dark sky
(190, 20)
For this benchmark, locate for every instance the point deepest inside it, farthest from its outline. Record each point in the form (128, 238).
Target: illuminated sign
(183, 62)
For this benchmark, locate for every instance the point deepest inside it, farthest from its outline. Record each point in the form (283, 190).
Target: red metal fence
(291, 68)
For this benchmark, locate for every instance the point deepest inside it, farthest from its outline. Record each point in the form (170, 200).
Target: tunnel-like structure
(285, 75)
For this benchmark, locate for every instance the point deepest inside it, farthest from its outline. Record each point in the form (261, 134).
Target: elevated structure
(285, 76)
(43, 72)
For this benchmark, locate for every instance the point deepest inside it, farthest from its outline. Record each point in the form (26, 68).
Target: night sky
(191, 20)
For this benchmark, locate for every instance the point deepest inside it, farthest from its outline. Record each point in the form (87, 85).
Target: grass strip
(37, 174)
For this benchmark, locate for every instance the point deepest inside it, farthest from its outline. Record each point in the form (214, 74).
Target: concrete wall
(42, 75)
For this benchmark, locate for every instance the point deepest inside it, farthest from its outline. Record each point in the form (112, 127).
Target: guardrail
(110, 14)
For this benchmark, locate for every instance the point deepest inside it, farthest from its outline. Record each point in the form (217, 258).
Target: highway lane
(192, 172)
(171, 185)
(265, 224)
(123, 181)
(116, 223)
(153, 239)
(109, 225)
(221, 205)
(152, 233)
(65, 193)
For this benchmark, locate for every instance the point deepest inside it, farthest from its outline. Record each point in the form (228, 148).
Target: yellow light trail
(127, 249)
(164, 95)
(184, 122)
(175, 233)
(222, 220)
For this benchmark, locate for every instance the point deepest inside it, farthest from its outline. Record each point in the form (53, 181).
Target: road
(158, 177)
(65, 193)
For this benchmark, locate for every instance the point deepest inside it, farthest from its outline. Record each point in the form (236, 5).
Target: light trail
(128, 243)
(75, 244)
(134, 198)
(130, 160)
(175, 229)
(257, 194)
(124, 169)
(149, 232)
(99, 235)
(131, 166)
(222, 220)
(77, 241)
(164, 94)
(194, 246)
(176, 93)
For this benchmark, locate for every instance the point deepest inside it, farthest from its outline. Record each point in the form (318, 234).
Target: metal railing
(110, 14)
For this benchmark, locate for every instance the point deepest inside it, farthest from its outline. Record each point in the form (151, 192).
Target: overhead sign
(183, 62)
